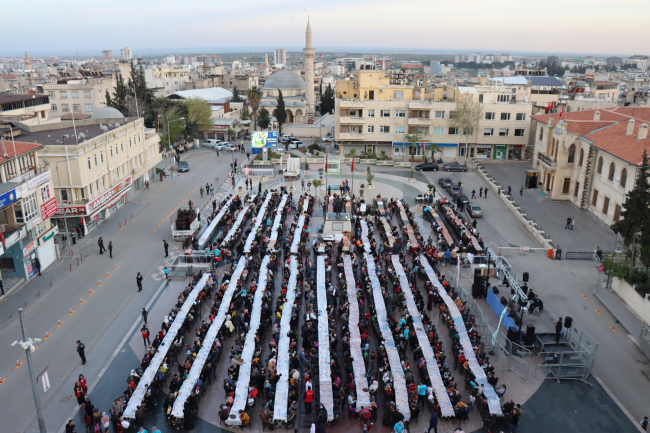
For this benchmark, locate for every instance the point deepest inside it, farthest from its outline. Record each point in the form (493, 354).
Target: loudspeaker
(513, 334)
(525, 277)
(504, 301)
(530, 335)
(477, 290)
(568, 321)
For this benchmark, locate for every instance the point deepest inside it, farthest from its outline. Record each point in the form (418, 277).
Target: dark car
(453, 167)
(182, 166)
(427, 167)
(474, 211)
(454, 190)
(463, 198)
(445, 182)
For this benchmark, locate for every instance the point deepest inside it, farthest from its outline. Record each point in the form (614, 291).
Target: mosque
(298, 94)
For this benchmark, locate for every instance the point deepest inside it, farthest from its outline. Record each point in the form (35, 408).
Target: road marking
(598, 311)
(612, 328)
(18, 364)
(71, 312)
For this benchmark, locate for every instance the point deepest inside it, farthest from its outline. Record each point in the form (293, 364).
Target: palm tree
(413, 138)
(383, 155)
(254, 96)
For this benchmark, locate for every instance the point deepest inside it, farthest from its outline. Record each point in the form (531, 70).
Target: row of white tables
(399, 382)
(258, 222)
(360, 381)
(235, 226)
(492, 398)
(407, 224)
(213, 225)
(278, 220)
(241, 392)
(159, 357)
(296, 234)
(282, 368)
(432, 366)
(208, 341)
(364, 236)
(324, 371)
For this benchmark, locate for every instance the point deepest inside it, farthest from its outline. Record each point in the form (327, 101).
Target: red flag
(321, 54)
(352, 170)
(549, 107)
(562, 112)
(325, 163)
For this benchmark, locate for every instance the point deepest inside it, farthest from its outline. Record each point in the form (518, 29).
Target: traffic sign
(216, 179)
(46, 382)
(525, 248)
(601, 268)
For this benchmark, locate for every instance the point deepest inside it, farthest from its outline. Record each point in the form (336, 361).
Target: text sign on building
(558, 130)
(72, 211)
(46, 382)
(104, 198)
(48, 208)
(7, 198)
(29, 248)
(37, 180)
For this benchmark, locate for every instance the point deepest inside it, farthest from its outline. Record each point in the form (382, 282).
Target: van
(210, 143)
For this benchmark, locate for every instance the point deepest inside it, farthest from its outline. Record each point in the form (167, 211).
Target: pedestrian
(558, 329)
(473, 193)
(309, 398)
(145, 335)
(138, 280)
(110, 248)
(214, 206)
(84, 384)
(166, 272)
(573, 221)
(644, 423)
(37, 265)
(259, 187)
(521, 191)
(69, 427)
(166, 245)
(480, 192)
(74, 238)
(509, 189)
(302, 183)
(81, 350)
(201, 191)
(514, 421)
(79, 393)
(309, 185)
(211, 189)
(568, 223)
(433, 423)
(486, 190)
(144, 315)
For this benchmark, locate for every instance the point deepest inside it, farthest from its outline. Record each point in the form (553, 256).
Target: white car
(224, 145)
(211, 143)
(297, 145)
(327, 139)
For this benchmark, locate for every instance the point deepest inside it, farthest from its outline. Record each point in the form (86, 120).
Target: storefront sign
(48, 208)
(500, 151)
(29, 248)
(33, 223)
(7, 198)
(103, 199)
(37, 180)
(219, 128)
(70, 211)
(50, 233)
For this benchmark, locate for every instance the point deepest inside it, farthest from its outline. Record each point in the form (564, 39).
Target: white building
(337, 69)
(280, 56)
(126, 53)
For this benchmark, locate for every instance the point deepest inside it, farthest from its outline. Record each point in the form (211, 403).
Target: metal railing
(545, 159)
(581, 255)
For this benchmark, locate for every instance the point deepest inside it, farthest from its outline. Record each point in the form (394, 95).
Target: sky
(558, 26)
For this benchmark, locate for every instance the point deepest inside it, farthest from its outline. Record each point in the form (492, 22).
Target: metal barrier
(268, 170)
(198, 260)
(644, 341)
(580, 255)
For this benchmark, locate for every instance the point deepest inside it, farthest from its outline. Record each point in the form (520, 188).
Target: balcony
(419, 121)
(355, 120)
(352, 103)
(548, 162)
(351, 136)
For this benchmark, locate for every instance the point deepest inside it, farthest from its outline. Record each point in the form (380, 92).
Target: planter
(368, 161)
(401, 164)
(411, 180)
(306, 172)
(371, 186)
(361, 192)
(387, 163)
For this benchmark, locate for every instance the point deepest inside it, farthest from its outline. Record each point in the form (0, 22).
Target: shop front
(483, 151)
(515, 151)
(500, 151)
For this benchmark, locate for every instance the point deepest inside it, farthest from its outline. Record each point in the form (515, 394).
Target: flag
(321, 54)
(325, 163)
(562, 112)
(549, 107)
(352, 169)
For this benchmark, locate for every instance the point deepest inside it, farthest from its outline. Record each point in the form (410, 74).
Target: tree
(327, 100)
(434, 147)
(280, 112)
(369, 176)
(235, 94)
(254, 96)
(634, 224)
(466, 116)
(133, 99)
(199, 115)
(118, 100)
(263, 118)
(245, 114)
(414, 139)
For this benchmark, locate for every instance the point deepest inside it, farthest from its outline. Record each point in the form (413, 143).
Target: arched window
(582, 156)
(541, 132)
(572, 154)
(623, 177)
(600, 166)
(612, 169)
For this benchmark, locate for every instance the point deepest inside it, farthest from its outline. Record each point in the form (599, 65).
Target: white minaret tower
(309, 52)
(266, 65)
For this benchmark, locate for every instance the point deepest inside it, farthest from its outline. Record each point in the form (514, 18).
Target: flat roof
(13, 97)
(56, 136)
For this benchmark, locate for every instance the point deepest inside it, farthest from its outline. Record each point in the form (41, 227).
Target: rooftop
(61, 136)
(15, 148)
(210, 94)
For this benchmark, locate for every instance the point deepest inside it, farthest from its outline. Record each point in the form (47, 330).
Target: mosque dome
(284, 80)
(107, 113)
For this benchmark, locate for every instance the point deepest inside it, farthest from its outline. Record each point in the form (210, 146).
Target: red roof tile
(21, 148)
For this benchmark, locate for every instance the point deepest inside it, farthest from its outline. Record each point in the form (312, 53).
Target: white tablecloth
(399, 383)
(282, 368)
(406, 223)
(235, 226)
(241, 392)
(364, 236)
(213, 225)
(492, 398)
(159, 357)
(432, 366)
(360, 381)
(258, 222)
(296, 235)
(208, 341)
(324, 372)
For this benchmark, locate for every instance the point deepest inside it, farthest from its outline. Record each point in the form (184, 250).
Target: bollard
(131, 216)
(71, 252)
(77, 261)
(82, 257)
(125, 222)
(25, 303)
(39, 293)
(120, 226)
(70, 267)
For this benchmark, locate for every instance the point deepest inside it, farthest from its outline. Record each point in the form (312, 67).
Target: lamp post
(58, 179)
(28, 345)
(169, 140)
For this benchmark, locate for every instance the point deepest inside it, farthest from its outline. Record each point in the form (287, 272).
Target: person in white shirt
(125, 423)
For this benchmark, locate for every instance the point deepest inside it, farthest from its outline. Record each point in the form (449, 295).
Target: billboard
(260, 139)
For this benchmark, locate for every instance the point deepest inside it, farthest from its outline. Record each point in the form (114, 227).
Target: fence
(197, 261)
(644, 341)
(581, 255)
(268, 170)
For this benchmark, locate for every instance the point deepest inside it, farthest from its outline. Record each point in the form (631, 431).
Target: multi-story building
(642, 62)
(337, 69)
(107, 54)
(591, 158)
(126, 54)
(78, 96)
(29, 108)
(280, 56)
(166, 81)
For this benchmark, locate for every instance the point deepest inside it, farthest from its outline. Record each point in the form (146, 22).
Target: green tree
(245, 114)
(327, 100)
(466, 115)
(254, 96)
(235, 94)
(369, 176)
(199, 115)
(280, 112)
(414, 139)
(263, 118)
(118, 99)
(634, 225)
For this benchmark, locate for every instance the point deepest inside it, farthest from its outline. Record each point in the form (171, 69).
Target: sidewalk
(626, 317)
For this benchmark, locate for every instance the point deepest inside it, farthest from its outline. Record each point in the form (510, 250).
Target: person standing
(568, 223)
(514, 421)
(81, 350)
(73, 237)
(509, 189)
(145, 315)
(37, 265)
(302, 183)
(309, 398)
(473, 193)
(521, 191)
(558, 329)
(433, 423)
(145, 335)
(480, 192)
(486, 190)
(110, 248)
(138, 280)
(573, 221)
(100, 243)
(166, 245)
(644, 423)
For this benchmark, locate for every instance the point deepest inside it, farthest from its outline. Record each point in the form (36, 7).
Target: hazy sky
(579, 26)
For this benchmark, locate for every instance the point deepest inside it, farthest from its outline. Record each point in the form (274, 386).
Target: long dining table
(241, 391)
(259, 220)
(451, 215)
(235, 226)
(407, 224)
(282, 367)
(203, 239)
(389, 232)
(441, 224)
(399, 382)
(324, 369)
(358, 365)
(429, 357)
(494, 404)
(296, 234)
(277, 221)
(188, 385)
(161, 353)
(364, 236)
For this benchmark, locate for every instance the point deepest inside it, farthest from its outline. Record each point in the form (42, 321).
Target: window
(421, 130)
(76, 107)
(140, 141)
(64, 108)
(64, 94)
(91, 188)
(89, 164)
(503, 132)
(28, 209)
(566, 185)
(503, 98)
(400, 129)
(353, 113)
(582, 157)
(371, 113)
(438, 130)
(385, 113)
(101, 155)
(439, 114)
(612, 169)
(400, 113)
(89, 107)
(453, 131)
(605, 205)
(53, 107)
(384, 129)
(521, 116)
(594, 198)
(104, 181)
(45, 193)
(488, 131)
(453, 114)
(572, 154)
(623, 180)
(489, 116)
(97, 185)
(86, 93)
(96, 160)
(575, 191)
(75, 94)
(140, 158)
(52, 93)
(599, 170)
(617, 213)
(398, 94)
(519, 132)
(505, 116)
(371, 128)
(111, 151)
(64, 195)
(130, 142)
(541, 133)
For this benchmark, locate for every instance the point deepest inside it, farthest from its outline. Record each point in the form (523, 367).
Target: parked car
(183, 166)
(454, 190)
(463, 198)
(475, 211)
(210, 142)
(428, 166)
(445, 181)
(327, 139)
(454, 167)
(297, 145)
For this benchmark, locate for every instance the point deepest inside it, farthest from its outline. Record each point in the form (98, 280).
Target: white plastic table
(236, 225)
(324, 372)
(258, 222)
(296, 234)
(208, 232)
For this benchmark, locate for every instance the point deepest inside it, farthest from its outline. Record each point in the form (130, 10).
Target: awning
(419, 144)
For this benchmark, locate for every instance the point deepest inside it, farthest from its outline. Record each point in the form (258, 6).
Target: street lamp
(169, 141)
(58, 179)
(28, 345)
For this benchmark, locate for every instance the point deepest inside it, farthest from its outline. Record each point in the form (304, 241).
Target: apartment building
(29, 108)
(376, 112)
(126, 53)
(79, 96)
(165, 81)
(591, 157)
(280, 56)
